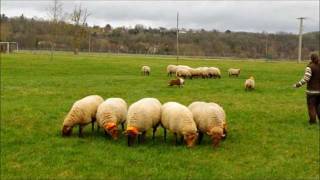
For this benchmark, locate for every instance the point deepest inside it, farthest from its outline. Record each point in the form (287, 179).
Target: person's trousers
(313, 102)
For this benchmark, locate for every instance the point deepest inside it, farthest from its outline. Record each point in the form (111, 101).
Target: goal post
(9, 46)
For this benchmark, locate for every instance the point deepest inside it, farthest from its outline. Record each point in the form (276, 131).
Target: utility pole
(266, 45)
(177, 38)
(300, 37)
(89, 49)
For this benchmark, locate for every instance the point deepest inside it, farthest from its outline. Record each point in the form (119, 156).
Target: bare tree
(56, 16)
(79, 19)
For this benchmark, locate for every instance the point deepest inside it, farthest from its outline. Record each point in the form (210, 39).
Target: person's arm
(306, 77)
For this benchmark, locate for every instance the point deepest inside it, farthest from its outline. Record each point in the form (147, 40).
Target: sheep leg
(98, 127)
(139, 138)
(176, 138)
(130, 140)
(143, 136)
(181, 139)
(200, 137)
(165, 134)
(122, 126)
(80, 131)
(92, 123)
(153, 133)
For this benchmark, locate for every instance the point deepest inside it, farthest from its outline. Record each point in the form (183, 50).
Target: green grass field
(269, 135)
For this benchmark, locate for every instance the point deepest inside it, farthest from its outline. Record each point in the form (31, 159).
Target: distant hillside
(37, 34)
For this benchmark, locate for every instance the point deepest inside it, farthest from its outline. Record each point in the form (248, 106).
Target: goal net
(8, 47)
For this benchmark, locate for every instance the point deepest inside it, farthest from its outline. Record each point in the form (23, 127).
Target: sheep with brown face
(82, 113)
(142, 116)
(210, 119)
(110, 114)
(178, 119)
(249, 84)
(178, 82)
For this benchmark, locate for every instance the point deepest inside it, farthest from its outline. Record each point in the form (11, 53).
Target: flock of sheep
(190, 123)
(182, 72)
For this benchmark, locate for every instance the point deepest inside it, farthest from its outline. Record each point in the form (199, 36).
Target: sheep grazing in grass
(145, 70)
(183, 73)
(249, 84)
(178, 119)
(214, 72)
(171, 69)
(234, 72)
(82, 113)
(195, 72)
(204, 72)
(110, 114)
(210, 119)
(142, 116)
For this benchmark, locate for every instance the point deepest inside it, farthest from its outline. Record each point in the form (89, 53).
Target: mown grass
(269, 136)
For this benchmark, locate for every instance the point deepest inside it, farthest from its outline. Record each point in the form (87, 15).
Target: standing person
(312, 78)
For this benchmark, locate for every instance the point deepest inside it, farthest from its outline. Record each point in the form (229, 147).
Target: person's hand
(296, 85)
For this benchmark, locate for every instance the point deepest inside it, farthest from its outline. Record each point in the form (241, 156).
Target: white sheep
(196, 72)
(210, 119)
(204, 72)
(234, 72)
(145, 70)
(249, 84)
(143, 115)
(82, 113)
(178, 119)
(214, 72)
(171, 69)
(110, 114)
(183, 72)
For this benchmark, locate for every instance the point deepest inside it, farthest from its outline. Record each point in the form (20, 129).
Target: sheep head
(66, 130)
(112, 130)
(132, 133)
(216, 134)
(190, 139)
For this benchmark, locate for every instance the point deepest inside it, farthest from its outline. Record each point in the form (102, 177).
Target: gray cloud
(254, 16)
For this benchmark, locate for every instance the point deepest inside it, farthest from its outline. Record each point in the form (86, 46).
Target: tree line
(75, 35)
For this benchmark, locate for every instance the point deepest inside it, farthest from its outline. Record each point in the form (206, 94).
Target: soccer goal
(9, 47)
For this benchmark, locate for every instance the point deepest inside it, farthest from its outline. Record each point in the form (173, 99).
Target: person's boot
(312, 122)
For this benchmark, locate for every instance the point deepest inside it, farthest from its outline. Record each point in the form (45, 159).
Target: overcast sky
(254, 16)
